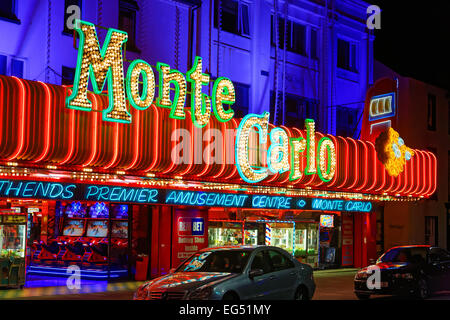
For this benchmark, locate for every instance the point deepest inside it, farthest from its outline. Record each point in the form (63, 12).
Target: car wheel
(362, 296)
(422, 290)
(230, 296)
(301, 293)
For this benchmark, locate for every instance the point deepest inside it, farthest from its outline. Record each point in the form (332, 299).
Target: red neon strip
(346, 170)
(300, 135)
(289, 133)
(405, 176)
(433, 173)
(356, 172)
(383, 175)
(136, 116)
(425, 173)
(21, 133)
(374, 164)
(429, 164)
(224, 144)
(47, 121)
(234, 168)
(95, 132)
(365, 164)
(208, 164)
(417, 171)
(191, 152)
(411, 175)
(156, 132)
(116, 147)
(172, 164)
(319, 181)
(71, 136)
(336, 148)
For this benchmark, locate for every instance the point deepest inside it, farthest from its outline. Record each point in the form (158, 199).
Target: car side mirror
(255, 273)
(172, 270)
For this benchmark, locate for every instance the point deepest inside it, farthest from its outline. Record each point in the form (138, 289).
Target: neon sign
(105, 66)
(320, 159)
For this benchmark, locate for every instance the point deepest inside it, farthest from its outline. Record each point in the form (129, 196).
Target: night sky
(414, 39)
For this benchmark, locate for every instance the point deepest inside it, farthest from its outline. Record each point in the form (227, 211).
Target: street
(331, 285)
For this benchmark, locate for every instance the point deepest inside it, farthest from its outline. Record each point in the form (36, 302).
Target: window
(234, 17)
(431, 231)
(346, 121)
(295, 35)
(241, 105)
(17, 68)
(279, 261)
(127, 22)
(313, 45)
(68, 74)
(297, 110)
(346, 58)
(8, 9)
(260, 261)
(431, 112)
(70, 14)
(11, 66)
(3, 60)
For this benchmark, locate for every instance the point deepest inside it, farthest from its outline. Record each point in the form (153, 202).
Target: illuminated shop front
(132, 188)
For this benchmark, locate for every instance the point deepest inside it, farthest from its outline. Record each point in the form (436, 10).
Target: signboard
(189, 234)
(326, 221)
(91, 192)
(15, 219)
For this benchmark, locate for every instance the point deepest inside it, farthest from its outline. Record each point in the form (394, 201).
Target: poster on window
(190, 234)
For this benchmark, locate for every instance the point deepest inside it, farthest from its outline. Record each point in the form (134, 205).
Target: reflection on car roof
(235, 247)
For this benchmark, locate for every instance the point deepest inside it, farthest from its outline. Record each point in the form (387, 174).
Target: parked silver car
(233, 273)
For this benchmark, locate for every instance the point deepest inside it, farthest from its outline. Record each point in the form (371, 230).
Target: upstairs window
(346, 121)
(11, 66)
(296, 111)
(431, 123)
(346, 55)
(241, 105)
(3, 64)
(68, 74)
(8, 9)
(234, 18)
(295, 35)
(72, 11)
(313, 52)
(127, 22)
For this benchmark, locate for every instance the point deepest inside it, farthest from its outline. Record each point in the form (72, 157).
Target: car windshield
(410, 254)
(232, 261)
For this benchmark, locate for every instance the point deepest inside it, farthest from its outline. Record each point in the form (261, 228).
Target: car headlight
(202, 293)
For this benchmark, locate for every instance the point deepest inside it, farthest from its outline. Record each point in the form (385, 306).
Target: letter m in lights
(102, 65)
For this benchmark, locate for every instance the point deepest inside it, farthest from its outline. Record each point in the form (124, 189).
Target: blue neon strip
(85, 271)
(68, 275)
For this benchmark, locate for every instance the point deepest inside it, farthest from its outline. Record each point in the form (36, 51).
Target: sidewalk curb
(55, 291)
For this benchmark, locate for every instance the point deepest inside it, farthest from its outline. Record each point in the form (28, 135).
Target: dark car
(233, 273)
(416, 270)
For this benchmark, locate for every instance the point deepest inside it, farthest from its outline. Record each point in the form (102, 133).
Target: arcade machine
(327, 251)
(224, 233)
(87, 236)
(13, 235)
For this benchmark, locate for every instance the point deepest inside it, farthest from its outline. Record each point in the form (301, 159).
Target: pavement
(330, 285)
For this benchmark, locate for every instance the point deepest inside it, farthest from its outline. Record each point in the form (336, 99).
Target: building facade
(423, 120)
(317, 63)
(108, 195)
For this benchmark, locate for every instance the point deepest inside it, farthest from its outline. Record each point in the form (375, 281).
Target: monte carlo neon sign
(105, 65)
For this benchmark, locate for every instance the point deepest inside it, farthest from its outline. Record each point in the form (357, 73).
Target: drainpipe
(191, 35)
